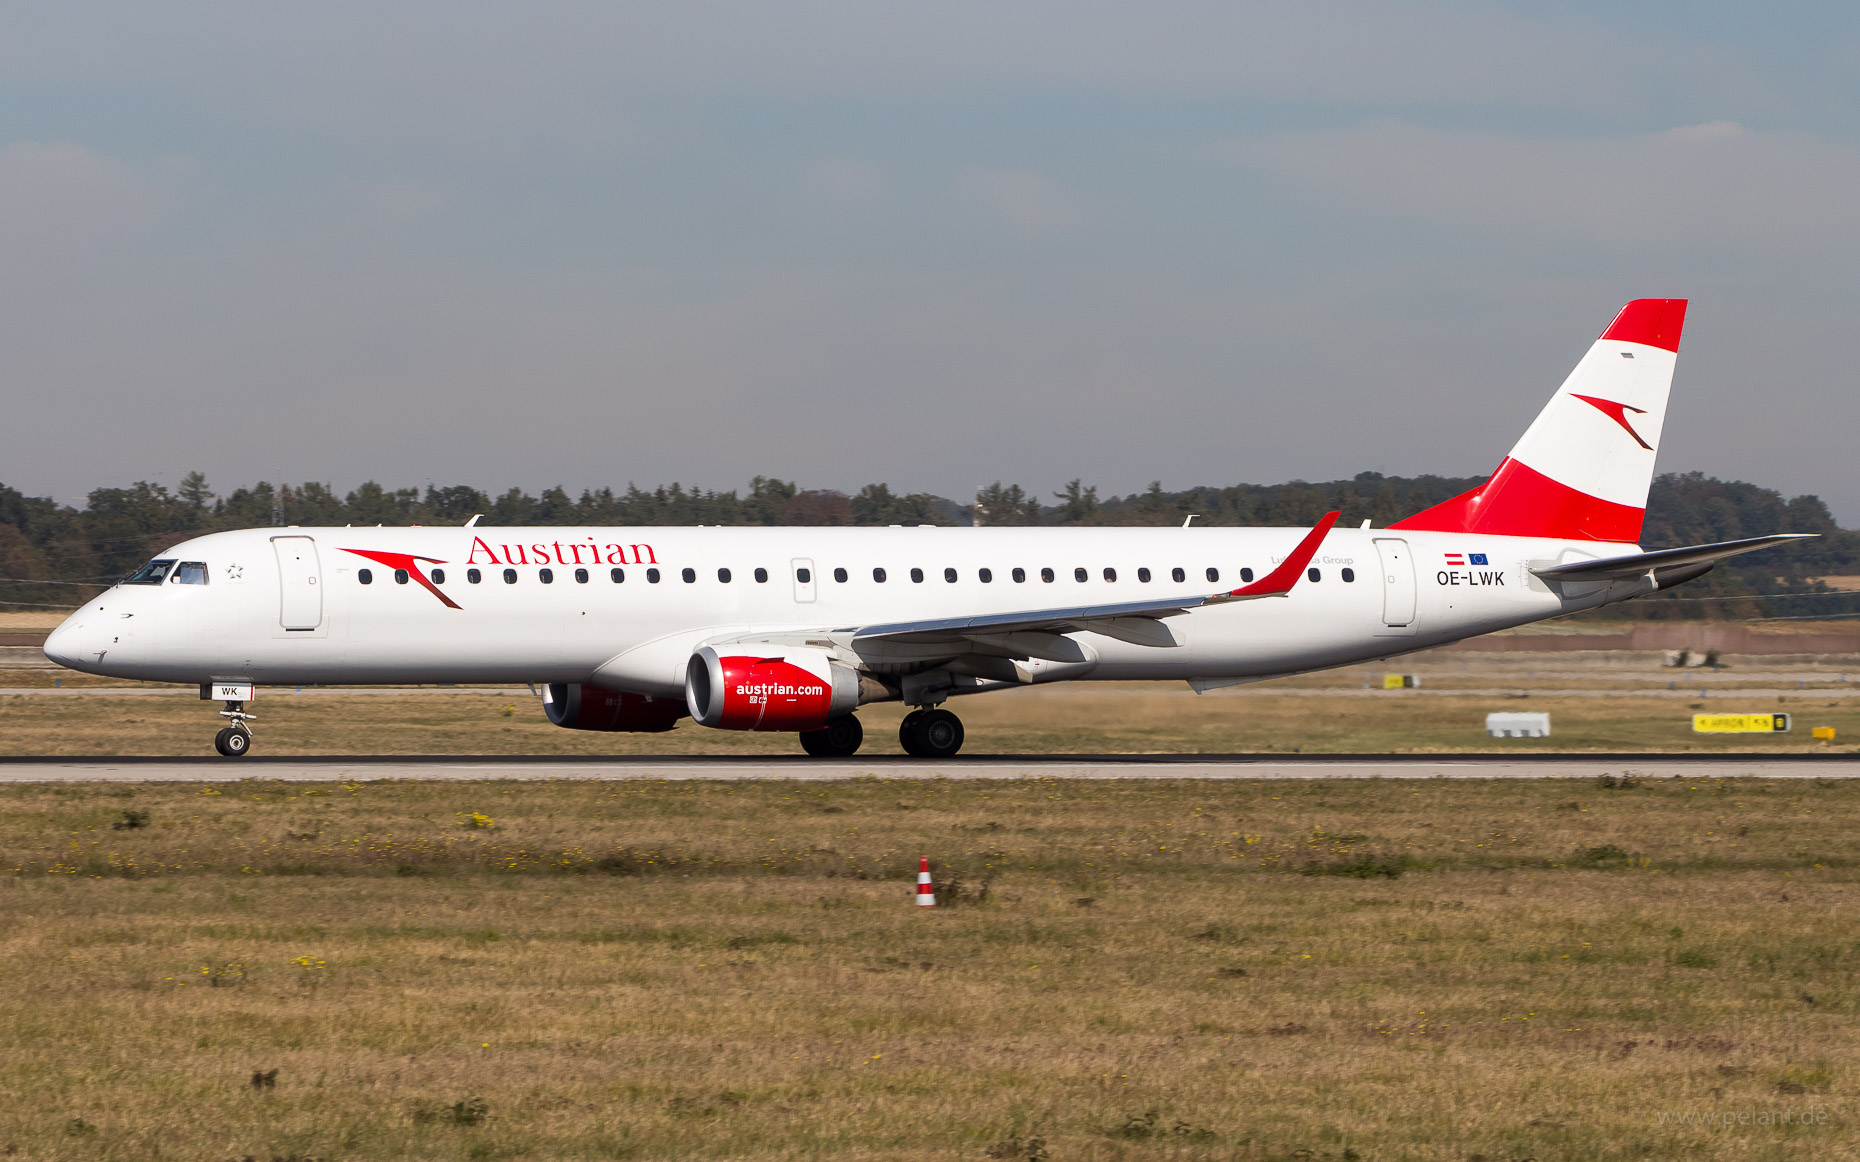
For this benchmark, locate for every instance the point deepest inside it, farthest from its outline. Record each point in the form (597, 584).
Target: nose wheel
(235, 740)
(232, 742)
(930, 734)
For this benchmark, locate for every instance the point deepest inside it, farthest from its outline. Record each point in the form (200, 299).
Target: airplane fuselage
(624, 608)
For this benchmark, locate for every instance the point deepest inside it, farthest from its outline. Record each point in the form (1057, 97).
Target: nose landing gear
(235, 740)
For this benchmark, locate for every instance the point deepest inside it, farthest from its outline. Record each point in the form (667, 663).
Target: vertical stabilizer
(1582, 469)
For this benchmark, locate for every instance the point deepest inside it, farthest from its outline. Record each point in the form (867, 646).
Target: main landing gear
(930, 734)
(924, 733)
(839, 738)
(235, 740)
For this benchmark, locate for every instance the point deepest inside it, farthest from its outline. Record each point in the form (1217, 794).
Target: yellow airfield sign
(1739, 723)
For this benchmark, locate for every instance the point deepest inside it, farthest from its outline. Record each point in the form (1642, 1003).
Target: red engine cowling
(768, 687)
(580, 707)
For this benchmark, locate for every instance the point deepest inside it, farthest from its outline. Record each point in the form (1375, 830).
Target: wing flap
(1137, 622)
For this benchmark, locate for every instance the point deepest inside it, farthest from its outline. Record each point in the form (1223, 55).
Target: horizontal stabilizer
(1640, 564)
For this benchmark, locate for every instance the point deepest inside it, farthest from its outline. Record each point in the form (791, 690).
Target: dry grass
(1072, 720)
(662, 970)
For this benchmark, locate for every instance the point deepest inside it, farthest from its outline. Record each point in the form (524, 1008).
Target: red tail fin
(1582, 470)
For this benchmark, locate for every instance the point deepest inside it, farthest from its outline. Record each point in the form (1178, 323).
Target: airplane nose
(70, 645)
(59, 645)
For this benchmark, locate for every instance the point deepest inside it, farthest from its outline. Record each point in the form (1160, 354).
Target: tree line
(54, 555)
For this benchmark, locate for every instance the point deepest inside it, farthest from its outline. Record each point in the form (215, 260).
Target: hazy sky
(931, 244)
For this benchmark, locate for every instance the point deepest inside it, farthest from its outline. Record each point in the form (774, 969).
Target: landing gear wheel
(232, 742)
(930, 734)
(839, 738)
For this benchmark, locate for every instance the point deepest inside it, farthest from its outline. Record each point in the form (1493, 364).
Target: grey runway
(442, 768)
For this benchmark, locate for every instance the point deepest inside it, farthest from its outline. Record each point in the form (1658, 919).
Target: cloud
(1027, 200)
(1713, 187)
(844, 180)
(60, 189)
(356, 70)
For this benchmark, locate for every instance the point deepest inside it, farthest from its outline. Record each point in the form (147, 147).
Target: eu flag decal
(1475, 559)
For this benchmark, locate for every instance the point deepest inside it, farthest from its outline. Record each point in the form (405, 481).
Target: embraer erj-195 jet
(631, 629)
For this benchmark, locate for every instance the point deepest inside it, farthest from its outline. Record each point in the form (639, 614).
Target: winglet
(1279, 582)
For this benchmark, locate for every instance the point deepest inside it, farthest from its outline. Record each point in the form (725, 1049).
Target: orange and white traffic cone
(926, 891)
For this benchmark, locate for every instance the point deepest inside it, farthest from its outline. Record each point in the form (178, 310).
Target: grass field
(1367, 970)
(1082, 718)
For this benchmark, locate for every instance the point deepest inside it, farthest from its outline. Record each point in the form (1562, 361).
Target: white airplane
(793, 629)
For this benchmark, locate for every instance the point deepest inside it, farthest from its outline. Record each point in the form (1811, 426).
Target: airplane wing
(1137, 622)
(1663, 561)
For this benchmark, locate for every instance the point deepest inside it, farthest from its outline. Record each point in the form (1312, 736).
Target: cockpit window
(153, 573)
(191, 573)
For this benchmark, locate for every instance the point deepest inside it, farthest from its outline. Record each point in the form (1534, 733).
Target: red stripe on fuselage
(1520, 501)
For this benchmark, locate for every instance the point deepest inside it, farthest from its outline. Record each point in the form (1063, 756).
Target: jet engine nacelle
(735, 687)
(580, 707)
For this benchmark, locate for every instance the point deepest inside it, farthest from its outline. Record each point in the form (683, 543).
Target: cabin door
(1398, 588)
(300, 579)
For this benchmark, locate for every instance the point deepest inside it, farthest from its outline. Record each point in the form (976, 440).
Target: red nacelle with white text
(776, 688)
(581, 707)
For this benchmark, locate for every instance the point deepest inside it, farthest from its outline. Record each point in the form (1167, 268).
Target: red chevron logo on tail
(1617, 413)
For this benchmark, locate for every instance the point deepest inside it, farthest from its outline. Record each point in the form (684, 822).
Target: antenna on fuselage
(1189, 519)
(474, 520)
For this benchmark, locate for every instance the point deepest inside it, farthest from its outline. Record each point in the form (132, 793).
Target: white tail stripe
(1578, 441)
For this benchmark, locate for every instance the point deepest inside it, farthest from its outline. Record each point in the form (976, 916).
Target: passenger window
(917, 575)
(1078, 574)
(439, 576)
(400, 576)
(510, 576)
(1214, 574)
(652, 576)
(581, 576)
(949, 575)
(1314, 574)
(471, 575)
(804, 575)
(153, 573)
(617, 576)
(1046, 575)
(546, 576)
(987, 575)
(1246, 574)
(762, 576)
(1348, 576)
(878, 575)
(1110, 574)
(690, 576)
(723, 575)
(839, 575)
(191, 573)
(1019, 575)
(1143, 575)
(1177, 574)
(365, 576)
